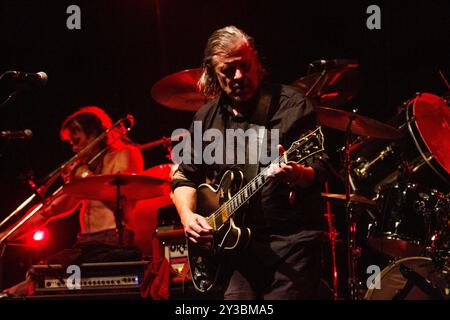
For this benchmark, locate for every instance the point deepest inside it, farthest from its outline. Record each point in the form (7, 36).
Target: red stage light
(40, 235)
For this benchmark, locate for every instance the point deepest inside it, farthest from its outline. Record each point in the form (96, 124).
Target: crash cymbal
(179, 90)
(361, 125)
(353, 198)
(335, 88)
(104, 187)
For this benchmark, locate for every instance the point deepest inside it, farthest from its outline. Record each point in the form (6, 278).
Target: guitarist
(283, 258)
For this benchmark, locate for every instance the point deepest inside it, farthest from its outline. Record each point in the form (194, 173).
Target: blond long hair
(221, 42)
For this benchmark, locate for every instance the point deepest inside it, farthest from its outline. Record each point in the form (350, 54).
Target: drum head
(394, 284)
(429, 124)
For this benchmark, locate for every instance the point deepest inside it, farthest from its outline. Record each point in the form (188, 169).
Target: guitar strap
(266, 104)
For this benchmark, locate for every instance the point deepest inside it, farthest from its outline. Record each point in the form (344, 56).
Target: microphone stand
(13, 94)
(10, 98)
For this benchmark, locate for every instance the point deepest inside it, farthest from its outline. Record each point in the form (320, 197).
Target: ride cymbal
(360, 125)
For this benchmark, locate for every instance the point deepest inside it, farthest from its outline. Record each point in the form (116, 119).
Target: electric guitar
(219, 204)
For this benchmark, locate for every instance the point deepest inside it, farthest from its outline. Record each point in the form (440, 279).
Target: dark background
(124, 47)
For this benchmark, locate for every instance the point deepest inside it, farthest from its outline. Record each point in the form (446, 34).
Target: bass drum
(426, 281)
(420, 156)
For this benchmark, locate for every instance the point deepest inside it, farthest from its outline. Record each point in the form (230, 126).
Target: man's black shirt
(271, 212)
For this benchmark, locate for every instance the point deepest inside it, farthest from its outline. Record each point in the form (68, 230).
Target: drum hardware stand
(444, 79)
(406, 103)
(332, 237)
(415, 279)
(353, 252)
(118, 213)
(322, 75)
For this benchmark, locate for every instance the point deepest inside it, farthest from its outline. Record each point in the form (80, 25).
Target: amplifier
(92, 277)
(173, 247)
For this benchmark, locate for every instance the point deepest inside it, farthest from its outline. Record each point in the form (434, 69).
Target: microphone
(335, 63)
(21, 134)
(39, 79)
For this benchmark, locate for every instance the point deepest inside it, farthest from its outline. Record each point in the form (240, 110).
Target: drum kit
(398, 171)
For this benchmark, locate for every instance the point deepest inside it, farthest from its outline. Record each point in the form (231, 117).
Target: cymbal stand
(118, 213)
(352, 250)
(332, 237)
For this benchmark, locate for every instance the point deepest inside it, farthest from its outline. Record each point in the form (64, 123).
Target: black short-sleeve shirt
(272, 211)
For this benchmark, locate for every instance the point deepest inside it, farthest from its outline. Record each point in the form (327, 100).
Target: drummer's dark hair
(93, 121)
(221, 42)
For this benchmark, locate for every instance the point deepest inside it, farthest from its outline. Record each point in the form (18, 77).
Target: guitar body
(207, 265)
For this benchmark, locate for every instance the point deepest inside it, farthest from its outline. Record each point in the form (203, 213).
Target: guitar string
(223, 208)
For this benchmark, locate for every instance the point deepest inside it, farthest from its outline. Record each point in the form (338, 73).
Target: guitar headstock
(308, 145)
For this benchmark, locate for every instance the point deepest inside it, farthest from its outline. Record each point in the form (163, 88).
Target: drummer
(98, 240)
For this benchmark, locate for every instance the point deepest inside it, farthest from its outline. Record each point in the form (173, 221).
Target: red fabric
(156, 280)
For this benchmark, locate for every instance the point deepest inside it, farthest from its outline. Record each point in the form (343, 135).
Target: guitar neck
(298, 152)
(229, 208)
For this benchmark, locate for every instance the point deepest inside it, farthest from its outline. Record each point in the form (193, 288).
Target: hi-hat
(361, 125)
(179, 90)
(104, 187)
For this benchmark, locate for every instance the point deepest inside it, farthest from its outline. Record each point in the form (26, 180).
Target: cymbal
(104, 187)
(336, 87)
(179, 90)
(353, 198)
(361, 125)
(162, 172)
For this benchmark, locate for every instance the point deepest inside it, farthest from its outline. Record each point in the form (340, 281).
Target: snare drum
(420, 271)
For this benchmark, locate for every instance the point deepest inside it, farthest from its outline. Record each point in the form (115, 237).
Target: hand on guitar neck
(291, 173)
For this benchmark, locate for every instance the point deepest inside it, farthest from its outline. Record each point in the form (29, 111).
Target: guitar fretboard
(218, 218)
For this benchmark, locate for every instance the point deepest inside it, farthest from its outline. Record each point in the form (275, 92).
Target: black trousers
(282, 269)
